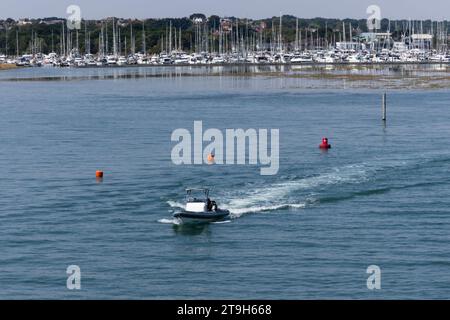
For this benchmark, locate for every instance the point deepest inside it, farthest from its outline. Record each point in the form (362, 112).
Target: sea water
(380, 196)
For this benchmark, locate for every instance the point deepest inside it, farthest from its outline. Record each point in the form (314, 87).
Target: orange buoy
(211, 158)
(99, 174)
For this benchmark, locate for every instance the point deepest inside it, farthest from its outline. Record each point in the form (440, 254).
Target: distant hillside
(45, 35)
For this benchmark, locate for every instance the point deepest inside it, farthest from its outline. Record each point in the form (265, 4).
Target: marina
(199, 40)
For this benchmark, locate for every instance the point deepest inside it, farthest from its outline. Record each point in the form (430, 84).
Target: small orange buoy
(99, 174)
(211, 158)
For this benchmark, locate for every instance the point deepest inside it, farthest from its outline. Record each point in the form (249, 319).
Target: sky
(96, 9)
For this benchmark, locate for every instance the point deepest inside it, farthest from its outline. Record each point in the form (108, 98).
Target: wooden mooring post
(383, 106)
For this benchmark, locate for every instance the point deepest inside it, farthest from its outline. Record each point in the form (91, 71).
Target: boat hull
(202, 217)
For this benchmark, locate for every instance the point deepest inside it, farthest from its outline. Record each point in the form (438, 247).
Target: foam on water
(236, 212)
(299, 192)
(278, 196)
(221, 222)
(175, 204)
(169, 221)
(281, 195)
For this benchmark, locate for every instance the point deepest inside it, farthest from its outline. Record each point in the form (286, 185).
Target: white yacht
(301, 58)
(111, 60)
(122, 61)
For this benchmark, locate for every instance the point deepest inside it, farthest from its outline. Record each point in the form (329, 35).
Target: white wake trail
(293, 194)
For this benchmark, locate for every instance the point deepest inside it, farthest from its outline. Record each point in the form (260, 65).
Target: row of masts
(237, 37)
(171, 40)
(222, 39)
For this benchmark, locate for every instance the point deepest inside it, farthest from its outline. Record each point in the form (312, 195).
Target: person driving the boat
(209, 204)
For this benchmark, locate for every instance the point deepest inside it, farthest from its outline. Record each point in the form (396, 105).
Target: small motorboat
(200, 208)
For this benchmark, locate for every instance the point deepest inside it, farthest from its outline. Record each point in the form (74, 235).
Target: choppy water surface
(380, 196)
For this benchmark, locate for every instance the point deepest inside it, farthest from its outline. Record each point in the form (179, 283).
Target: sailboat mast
(144, 45)
(281, 32)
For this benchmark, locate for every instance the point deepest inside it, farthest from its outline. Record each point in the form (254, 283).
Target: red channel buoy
(325, 145)
(99, 174)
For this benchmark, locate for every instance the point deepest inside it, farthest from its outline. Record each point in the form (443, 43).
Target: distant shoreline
(343, 75)
(243, 64)
(7, 66)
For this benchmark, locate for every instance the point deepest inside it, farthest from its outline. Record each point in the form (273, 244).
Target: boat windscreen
(197, 194)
